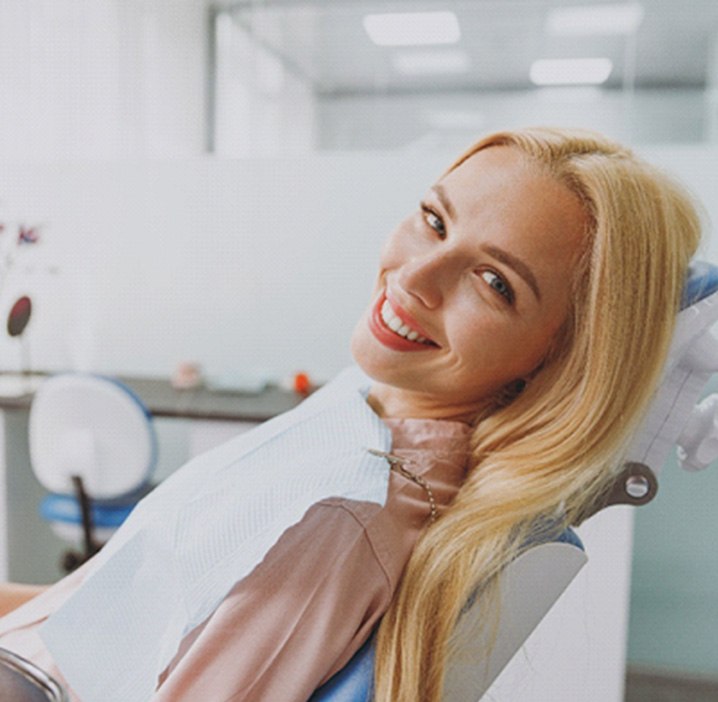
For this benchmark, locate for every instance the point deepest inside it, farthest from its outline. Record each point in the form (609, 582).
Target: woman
(520, 320)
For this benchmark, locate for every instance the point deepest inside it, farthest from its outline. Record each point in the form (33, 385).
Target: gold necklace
(396, 463)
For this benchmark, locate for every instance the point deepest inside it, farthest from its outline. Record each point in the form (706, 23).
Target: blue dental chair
(533, 582)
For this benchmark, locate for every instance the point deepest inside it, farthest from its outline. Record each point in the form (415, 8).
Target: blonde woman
(518, 328)
(556, 446)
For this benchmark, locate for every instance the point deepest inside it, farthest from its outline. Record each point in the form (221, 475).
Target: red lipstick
(387, 337)
(405, 317)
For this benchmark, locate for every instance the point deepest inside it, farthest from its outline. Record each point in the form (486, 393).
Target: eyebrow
(440, 193)
(517, 265)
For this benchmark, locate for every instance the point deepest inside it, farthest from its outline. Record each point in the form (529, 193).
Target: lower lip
(387, 337)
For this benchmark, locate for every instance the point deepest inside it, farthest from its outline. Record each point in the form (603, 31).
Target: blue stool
(93, 447)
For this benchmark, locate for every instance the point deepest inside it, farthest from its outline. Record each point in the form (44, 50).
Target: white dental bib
(186, 545)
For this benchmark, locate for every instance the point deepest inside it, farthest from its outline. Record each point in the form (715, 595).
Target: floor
(658, 686)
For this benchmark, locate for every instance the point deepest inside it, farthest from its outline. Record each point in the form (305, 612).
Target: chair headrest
(701, 281)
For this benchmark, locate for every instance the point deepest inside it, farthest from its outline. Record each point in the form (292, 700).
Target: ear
(506, 395)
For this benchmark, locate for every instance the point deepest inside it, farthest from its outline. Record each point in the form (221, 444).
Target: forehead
(501, 192)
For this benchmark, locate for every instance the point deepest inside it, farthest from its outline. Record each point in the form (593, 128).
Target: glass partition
(296, 76)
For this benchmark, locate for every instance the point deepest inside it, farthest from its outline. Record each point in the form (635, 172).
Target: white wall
(236, 264)
(102, 78)
(262, 108)
(696, 166)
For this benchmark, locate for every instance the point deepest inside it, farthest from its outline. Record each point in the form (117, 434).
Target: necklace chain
(396, 463)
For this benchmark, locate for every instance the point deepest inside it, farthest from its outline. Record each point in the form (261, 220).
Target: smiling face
(472, 287)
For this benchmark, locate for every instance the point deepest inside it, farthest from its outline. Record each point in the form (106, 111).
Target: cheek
(527, 350)
(503, 348)
(360, 343)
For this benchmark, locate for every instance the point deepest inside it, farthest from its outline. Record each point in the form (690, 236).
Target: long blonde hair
(554, 449)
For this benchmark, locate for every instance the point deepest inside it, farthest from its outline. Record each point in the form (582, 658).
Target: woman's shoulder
(364, 530)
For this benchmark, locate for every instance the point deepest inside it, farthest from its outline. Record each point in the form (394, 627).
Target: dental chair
(534, 581)
(93, 447)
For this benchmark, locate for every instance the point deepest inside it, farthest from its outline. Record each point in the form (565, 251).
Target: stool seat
(65, 516)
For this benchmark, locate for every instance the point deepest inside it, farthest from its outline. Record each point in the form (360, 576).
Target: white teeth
(398, 326)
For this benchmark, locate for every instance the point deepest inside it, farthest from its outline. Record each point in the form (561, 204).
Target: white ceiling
(325, 43)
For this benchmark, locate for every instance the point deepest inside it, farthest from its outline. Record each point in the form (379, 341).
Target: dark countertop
(165, 401)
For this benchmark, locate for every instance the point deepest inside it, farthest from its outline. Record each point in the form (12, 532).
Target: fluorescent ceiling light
(595, 19)
(414, 63)
(581, 71)
(412, 28)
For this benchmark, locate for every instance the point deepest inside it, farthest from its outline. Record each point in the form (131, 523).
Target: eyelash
(428, 213)
(507, 293)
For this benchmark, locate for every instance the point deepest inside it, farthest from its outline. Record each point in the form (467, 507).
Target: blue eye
(433, 220)
(498, 284)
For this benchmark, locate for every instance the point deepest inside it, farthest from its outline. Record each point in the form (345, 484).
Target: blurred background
(211, 182)
(108, 79)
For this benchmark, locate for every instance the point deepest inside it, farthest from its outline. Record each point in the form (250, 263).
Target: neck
(390, 402)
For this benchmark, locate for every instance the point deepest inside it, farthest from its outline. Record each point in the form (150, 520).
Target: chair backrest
(548, 567)
(92, 427)
(529, 587)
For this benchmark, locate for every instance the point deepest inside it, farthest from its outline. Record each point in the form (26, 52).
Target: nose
(428, 277)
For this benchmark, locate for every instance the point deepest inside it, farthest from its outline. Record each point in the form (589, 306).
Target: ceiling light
(595, 19)
(581, 71)
(414, 63)
(412, 28)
